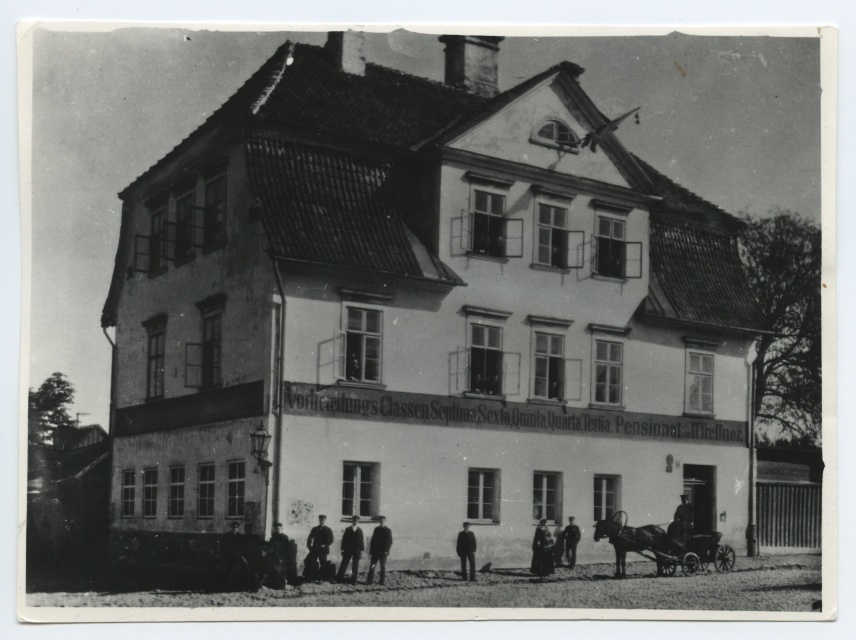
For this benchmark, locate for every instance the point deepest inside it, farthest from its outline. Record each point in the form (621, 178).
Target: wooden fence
(789, 515)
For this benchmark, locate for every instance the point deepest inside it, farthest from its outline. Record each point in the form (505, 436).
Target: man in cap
(277, 556)
(353, 545)
(466, 549)
(232, 553)
(571, 538)
(379, 547)
(683, 518)
(320, 539)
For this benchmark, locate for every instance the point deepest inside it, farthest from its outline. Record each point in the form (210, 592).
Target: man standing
(277, 556)
(684, 518)
(353, 545)
(466, 549)
(571, 537)
(320, 539)
(232, 551)
(379, 548)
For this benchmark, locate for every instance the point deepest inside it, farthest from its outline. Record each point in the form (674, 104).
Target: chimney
(472, 64)
(346, 49)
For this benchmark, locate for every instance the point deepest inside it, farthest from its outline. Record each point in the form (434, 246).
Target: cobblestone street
(776, 583)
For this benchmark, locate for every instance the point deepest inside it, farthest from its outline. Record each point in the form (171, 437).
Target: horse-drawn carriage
(692, 553)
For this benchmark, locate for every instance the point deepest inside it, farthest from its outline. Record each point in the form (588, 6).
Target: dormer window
(555, 133)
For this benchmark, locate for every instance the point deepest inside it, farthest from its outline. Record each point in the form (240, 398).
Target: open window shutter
(510, 374)
(339, 354)
(497, 497)
(193, 365)
(573, 379)
(169, 241)
(462, 234)
(633, 260)
(459, 370)
(576, 249)
(594, 254)
(514, 238)
(197, 234)
(142, 251)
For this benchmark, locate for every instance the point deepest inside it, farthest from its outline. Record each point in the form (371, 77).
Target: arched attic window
(555, 133)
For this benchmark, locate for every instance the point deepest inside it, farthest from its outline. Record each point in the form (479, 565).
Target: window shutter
(497, 497)
(462, 237)
(339, 344)
(142, 251)
(169, 241)
(514, 238)
(459, 371)
(510, 374)
(594, 246)
(197, 235)
(576, 249)
(573, 379)
(193, 365)
(633, 260)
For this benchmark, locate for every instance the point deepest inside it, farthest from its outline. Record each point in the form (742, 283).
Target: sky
(735, 119)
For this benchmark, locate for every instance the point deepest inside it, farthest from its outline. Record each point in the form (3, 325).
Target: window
(549, 366)
(605, 497)
(214, 223)
(556, 132)
(699, 382)
(489, 224)
(486, 360)
(483, 495)
(614, 257)
(363, 345)
(607, 372)
(235, 503)
(360, 485)
(212, 326)
(175, 504)
(150, 493)
(157, 256)
(547, 496)
(552, 237)
(205, 504)
(184, 226)
(155, 369)
(129, 493)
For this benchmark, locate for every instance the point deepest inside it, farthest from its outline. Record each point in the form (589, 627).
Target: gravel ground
(773, 583)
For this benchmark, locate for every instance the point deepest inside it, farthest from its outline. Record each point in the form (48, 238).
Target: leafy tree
(48, 408)
(782, 258)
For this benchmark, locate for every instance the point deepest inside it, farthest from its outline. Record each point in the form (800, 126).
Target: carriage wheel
(690, 564)
(619, 518)
(669, 568)
(724, 559)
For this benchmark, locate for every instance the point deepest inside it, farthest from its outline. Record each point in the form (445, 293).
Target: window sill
(180, 262)
(698, 414)
(362, 519)
(548, 267)
(357, 384)
(159, 272)
(153, 399)
(607, 407)
(204, 517)
(565, 148)
(482, 523)
(597, 276)
(487, 257)
(548, 401)
(213, 247)
(175, 518)
(484, 396)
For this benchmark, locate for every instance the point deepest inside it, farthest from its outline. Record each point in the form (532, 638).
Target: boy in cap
(379, 547)
(571, 537)
(353, 545)
(466, 549)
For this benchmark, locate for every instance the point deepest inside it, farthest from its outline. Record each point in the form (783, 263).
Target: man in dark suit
(466, 549)
(277, 557)
(379, 547)
(571, 538)
(235, 565)
(320, 539)
(682, 524)
(353, 545)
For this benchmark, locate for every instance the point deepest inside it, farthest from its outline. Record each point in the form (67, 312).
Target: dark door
(700, 486)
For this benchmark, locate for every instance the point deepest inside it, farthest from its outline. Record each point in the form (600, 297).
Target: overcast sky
(735, 119)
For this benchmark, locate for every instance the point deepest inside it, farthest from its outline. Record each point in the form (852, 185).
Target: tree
(782, 259)
(48, 408)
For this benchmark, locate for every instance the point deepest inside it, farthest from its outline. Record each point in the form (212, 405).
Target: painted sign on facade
(486, 413)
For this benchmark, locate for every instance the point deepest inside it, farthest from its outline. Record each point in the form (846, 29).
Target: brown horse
(624, 539)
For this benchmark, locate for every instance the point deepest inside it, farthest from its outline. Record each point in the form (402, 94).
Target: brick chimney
(472, 63)
(346, 49)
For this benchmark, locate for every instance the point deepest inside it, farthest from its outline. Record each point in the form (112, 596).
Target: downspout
(278, 451)
(112, 380)
(751, 530)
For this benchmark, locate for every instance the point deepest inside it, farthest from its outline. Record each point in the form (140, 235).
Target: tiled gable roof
(323, 205)
(696, 276)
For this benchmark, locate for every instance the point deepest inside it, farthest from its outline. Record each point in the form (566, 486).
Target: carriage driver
(684, 516)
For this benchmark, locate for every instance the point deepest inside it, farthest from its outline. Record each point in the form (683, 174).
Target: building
(442, 302)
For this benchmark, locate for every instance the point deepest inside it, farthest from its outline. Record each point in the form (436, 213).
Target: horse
(624, 539)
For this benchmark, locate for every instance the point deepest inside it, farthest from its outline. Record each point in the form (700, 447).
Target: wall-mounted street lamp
(722, 517)
(260, 441)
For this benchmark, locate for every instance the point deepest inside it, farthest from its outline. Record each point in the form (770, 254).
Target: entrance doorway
(700, 486)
